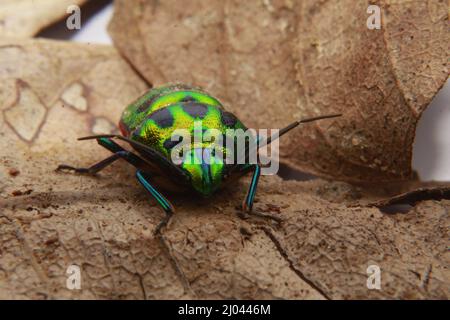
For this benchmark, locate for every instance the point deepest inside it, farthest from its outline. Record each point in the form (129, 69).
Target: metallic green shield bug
(150, 125)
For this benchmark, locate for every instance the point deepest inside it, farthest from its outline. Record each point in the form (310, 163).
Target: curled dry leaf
(25, 18)
(275, 61)
(104, 225)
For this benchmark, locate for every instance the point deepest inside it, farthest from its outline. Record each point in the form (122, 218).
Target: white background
(431, 157)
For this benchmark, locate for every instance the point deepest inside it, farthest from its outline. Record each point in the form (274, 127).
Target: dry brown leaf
(54, 93)
(49, 221)
(333, 246)
(274, 61)
(25, 18)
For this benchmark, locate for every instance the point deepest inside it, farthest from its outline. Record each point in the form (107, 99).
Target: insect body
(154, 119)
(149, 125)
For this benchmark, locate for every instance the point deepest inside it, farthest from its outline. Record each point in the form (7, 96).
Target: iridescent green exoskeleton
(148, 125)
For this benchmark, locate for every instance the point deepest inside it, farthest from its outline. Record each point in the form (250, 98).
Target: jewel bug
(148, 125)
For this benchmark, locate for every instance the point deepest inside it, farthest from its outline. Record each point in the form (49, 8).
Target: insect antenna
(293, 125)
(265, 141)
(117, 136)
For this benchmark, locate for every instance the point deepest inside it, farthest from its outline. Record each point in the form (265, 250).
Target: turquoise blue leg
(118, 153)
(163, 202)
(248, 202)
(136, 161)
(247, 206)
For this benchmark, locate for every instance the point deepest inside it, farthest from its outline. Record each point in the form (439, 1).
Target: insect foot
(162, 224)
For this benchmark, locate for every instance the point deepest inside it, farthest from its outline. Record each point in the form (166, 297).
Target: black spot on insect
(169, 143)
(195, 110)
(147, 104)
(228, 119)
(162, 117)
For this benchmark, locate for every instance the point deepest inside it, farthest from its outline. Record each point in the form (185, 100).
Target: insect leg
(248, 202)
(97, 166)
(247, 205)
(169, 210)
(163, 202)
(119, 153)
